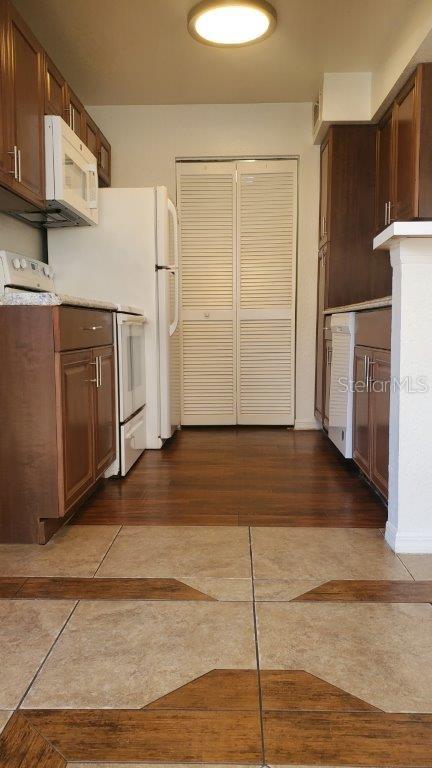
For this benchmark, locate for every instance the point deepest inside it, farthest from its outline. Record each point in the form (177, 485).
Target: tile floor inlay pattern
(153, 656)
(55, 588)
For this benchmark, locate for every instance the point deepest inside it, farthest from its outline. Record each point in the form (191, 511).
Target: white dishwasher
(341, 382)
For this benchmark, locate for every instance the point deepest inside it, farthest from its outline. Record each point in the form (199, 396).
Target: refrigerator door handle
(175, 268)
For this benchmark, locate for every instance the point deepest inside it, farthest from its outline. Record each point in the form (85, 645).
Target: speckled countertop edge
(386, 301)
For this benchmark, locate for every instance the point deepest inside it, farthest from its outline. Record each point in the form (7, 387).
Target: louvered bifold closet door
(266, 279)
(207, 211)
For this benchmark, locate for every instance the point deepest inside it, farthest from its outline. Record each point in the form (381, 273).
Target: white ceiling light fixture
(231, 23)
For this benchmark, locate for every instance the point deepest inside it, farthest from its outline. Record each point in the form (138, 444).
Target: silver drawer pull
(92, 328)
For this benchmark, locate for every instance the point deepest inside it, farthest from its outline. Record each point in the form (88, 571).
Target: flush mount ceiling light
(231, 22)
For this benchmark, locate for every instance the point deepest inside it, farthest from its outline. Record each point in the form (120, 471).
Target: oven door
(131, 343)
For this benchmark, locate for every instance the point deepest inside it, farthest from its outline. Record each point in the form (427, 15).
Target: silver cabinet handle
(92, 327)
(370, 369)
(19, 165)
(100, 370)
(14, 173)
(366, 366)
(70, 117)
(389, 212)
(386, 214)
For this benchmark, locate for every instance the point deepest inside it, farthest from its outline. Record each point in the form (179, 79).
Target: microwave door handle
(172, 210)
(91, 185)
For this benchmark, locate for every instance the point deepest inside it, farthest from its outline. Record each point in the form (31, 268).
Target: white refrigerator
(131, 258)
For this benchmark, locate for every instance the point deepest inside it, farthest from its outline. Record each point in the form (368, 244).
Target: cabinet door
(361, 435)
(27, 97)
(76, 388)
(105, 431)
(319, 363)
(91, 135)
(324, 193)
(380, 417)
(104, 161)
(405, 142)
(55, 89)
(327, 380)
(5, 141)
(383, 193)
(75, 113)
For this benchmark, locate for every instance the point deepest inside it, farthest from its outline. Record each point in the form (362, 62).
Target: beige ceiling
(139, 51)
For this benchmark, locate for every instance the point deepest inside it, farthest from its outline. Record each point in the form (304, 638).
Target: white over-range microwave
(71, 177)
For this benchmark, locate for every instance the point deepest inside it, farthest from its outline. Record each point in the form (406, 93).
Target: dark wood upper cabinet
(104, 161)
(75, 113)
(404, 154)
(31, 86)
(101, 148)
(76, 391)
(405, 201)
(5, 164)
(383, 192)
(55, 90)
(27, 110)
(354, 272)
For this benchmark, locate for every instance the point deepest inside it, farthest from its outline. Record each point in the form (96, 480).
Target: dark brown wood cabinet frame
(58, 422)
(31, 86)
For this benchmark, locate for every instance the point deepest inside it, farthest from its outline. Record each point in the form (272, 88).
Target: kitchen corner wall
(147, 140)
(22, 238)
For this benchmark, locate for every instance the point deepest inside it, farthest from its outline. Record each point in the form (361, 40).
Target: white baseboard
(306, 424)
(408, 543)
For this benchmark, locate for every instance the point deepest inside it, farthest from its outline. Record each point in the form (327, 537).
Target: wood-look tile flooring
(239, 476)
(295, 645)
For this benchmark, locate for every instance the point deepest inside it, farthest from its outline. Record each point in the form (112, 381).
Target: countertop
(45, 299)
(386, 301)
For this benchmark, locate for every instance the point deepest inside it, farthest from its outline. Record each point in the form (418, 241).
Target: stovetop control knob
(16, 263)
(46, 270)
(23, 263)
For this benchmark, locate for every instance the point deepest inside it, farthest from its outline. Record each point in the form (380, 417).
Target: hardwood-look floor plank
(364, 739)
(57, 588)
(21, 746)
(176, 736)
(220, 689)
(10, 586)
(369, 591)
(286, 690)
(239, 476)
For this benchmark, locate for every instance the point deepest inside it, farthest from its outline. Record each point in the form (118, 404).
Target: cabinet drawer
(373, 328)
(77, 328)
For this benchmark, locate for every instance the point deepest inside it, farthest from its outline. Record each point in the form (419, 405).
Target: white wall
(20, 237)
(146, 140)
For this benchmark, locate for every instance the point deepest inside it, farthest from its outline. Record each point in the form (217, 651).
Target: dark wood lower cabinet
(104, 419)
(372, 414)
(58, 425)
(76, 393)
(380, 412)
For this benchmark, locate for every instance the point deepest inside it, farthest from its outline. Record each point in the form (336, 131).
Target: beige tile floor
(420, 566)
(4, 717)
(380, 652)
(179, 552)
(74, 551)
(28, 630)
(323, 553)
(127, 653)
